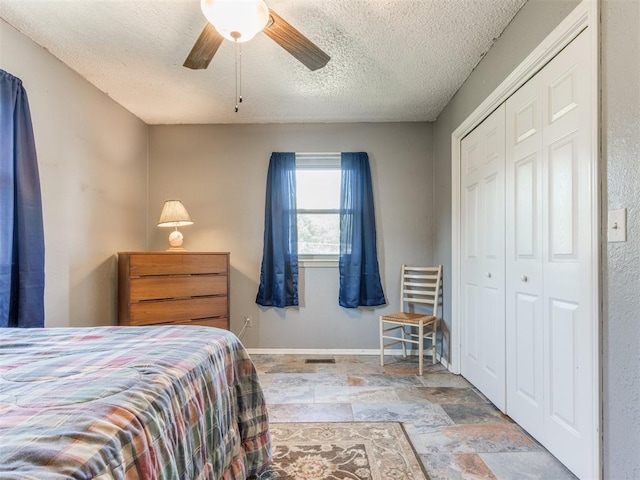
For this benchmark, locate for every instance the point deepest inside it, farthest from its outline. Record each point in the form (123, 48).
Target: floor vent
(319, 360)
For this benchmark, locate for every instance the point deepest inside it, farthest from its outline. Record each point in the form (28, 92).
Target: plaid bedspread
(129, 403)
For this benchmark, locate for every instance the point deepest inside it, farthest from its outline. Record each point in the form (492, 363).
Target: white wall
(219, 172)
(92, 157)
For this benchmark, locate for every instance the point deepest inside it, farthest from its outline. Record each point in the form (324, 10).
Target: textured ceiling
(391, 60)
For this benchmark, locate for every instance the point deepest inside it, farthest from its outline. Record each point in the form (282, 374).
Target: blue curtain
(21, 230)
(359, 272)
(279, 272)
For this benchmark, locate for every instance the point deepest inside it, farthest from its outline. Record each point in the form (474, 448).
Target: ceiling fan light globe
(236, 20)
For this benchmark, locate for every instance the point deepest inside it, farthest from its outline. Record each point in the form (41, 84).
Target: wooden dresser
(183, 288)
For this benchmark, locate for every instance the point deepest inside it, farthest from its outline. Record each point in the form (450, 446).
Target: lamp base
(175, 249)
(175, 240)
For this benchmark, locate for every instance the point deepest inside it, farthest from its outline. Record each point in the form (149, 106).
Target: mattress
(175, 402)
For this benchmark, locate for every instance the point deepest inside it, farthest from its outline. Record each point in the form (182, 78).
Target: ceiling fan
(239, 21)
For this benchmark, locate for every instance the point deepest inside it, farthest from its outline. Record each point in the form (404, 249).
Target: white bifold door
(550, 309)
(483, 236)
(528, 252)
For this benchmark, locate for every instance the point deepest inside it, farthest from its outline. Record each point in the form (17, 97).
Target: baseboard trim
(331, 351)
(318, 351)
(444, 362)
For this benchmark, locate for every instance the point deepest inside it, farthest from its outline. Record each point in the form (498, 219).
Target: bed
(175, 402)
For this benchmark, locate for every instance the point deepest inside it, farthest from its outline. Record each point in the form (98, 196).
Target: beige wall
(219, 172)
(93, 172)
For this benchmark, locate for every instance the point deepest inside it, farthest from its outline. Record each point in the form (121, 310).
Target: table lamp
(174, 215)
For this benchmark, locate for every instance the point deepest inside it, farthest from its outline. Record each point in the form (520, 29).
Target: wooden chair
(420, 295)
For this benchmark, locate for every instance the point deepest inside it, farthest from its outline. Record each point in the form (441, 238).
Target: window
(318, 179)
(334, 200)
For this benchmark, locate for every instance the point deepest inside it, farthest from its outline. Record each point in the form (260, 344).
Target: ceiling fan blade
(204, 49)
(295, 43)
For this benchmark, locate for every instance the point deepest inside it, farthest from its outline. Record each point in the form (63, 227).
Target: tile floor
(456, 431)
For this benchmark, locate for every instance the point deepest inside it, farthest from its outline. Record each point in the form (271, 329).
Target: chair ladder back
(420, 285)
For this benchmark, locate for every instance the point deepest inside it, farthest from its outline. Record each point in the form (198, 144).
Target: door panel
(472, 337)
(524, 289)
(471, 222)
(549, 309)
(562, 184)
(492, 221)
(563, 398)
(491, 310)
(526, 241)
(568, 254)
(526, 383)
(482, 329)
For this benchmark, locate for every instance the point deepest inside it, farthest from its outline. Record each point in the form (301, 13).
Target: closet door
(567, 258)
(524, 279)
(550, 309)
(482, 223)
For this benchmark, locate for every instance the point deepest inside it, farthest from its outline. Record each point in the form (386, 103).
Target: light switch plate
(617, 225)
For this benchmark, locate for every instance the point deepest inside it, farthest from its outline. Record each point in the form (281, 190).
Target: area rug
(343, 451)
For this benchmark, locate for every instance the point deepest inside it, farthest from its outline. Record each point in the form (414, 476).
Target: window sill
(328, 262)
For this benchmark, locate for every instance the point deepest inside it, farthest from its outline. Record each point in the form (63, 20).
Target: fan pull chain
(238, 74)
(236, 52)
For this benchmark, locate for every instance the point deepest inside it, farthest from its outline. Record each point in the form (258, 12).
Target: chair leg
(381, 343)
(420, 346)
(403, 334)
(434, 343)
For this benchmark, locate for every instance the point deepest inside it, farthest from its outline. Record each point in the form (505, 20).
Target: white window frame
(318, 161)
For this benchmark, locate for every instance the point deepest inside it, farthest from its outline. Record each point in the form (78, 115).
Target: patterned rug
(343, 451)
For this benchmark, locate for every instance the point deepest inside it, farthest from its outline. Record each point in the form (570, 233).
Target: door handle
(488, 274)
(524, 278)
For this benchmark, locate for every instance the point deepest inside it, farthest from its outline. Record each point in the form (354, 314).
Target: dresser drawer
(222, 322)
(168, 311)
(176, 264)
(165, 288)
(156, 288)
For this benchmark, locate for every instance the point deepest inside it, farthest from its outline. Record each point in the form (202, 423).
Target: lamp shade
(174, 215)
(237, 20)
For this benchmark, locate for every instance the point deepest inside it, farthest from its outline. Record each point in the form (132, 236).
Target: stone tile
(310, 412)
(475, 413)
(383, 380)
(356, 395)
(483, 445)
(264, 367)
(475, 438)
(293, 368)
(308, 379)
(481, 395)
(350, 358)
(411, 366)
(438, 395)
(265, 379)
(526, 466)
(422, 417)
(444, 380)
(351, 368)
(456, 466)
(299, 357)
(289, 394)
(259, 359)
